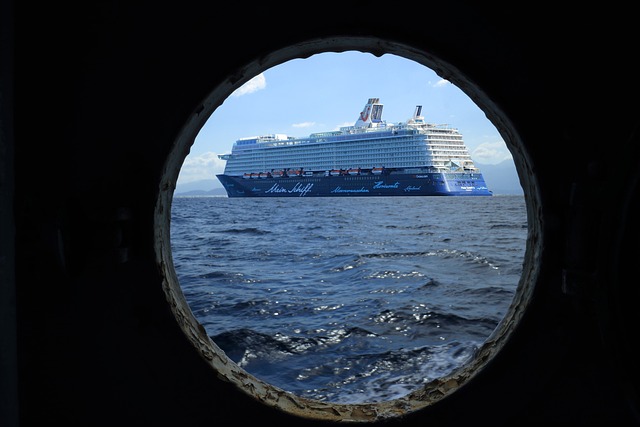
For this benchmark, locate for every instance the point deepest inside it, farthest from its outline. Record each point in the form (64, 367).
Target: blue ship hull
(395, 184)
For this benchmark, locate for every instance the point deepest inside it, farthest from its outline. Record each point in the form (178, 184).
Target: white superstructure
(370, 143)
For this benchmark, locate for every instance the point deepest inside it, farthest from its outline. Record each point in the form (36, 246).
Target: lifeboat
(354, 171)
(377, 171)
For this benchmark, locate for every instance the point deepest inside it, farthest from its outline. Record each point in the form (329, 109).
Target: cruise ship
(370, 158)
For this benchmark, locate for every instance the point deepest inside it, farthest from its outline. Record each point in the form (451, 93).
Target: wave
(346, 377)
(248, 230)
(245, 345)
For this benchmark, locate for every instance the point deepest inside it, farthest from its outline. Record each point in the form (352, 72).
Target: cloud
(303, 125)
(255, 84)
(491, 153)
(344, 124)
(204, 166)
(441, 83)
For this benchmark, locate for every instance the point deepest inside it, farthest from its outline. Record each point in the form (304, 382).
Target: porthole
(439, 385)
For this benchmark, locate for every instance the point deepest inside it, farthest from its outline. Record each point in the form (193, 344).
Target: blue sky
(328, 90)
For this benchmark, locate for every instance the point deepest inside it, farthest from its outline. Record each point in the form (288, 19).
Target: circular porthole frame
(225, 369)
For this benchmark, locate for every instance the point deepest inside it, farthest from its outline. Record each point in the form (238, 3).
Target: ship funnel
(418, 111)
(371, 114)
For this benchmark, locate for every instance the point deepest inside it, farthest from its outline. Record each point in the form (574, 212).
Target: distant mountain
(204, 187)
(501, 178)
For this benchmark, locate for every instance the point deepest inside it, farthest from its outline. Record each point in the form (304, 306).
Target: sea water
(349, 300)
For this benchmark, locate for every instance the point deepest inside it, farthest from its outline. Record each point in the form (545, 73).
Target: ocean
(349, 300)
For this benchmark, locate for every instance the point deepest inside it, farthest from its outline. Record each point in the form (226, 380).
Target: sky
(327, 91)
